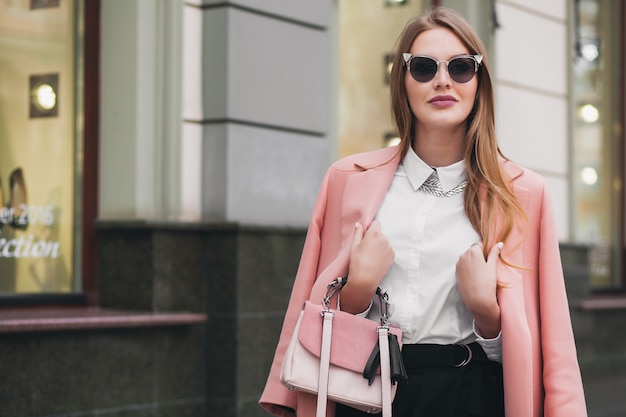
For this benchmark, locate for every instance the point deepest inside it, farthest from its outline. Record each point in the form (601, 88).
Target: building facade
(161, 159)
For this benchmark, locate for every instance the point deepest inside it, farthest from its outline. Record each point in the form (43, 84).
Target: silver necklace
(432, 186)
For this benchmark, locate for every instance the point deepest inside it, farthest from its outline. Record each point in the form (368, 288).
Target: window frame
(87, 173)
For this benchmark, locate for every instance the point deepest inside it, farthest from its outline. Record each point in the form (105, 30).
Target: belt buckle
(467, 360)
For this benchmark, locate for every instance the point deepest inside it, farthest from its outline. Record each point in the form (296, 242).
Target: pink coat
(541, 372)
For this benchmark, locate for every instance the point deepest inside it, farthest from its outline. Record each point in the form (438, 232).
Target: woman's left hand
(477, 282)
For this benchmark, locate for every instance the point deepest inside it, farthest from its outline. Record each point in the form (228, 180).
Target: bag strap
(385, 358)
(322, 394)
(385, 372)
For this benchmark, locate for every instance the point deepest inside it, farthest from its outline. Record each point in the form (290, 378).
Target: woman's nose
(442, 78)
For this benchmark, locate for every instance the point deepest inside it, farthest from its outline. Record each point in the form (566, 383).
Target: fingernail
(500, 245)
(356, 225)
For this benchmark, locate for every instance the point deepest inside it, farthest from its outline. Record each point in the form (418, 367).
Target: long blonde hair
(488, 194)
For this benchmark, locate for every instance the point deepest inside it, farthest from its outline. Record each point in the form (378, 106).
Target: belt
(420, 356)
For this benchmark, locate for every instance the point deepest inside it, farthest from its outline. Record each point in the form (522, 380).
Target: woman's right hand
(371, 256)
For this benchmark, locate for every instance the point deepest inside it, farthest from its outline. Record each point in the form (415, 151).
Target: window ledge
(79, 318)
(604, 303)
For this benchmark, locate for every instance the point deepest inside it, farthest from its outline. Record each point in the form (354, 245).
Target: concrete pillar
(140, 109)
(256, 116)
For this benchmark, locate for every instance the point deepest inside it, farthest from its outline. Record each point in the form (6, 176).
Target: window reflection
(367, 33)
(37, 146)
(595, 145)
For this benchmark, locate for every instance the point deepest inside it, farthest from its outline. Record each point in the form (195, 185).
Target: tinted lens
(461, 70)
(423, 68)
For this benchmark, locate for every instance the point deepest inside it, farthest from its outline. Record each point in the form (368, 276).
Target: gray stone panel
(215, 50)
(266, 270)
(179, 254)
(215, 171)
(268, 262)
(220, 269)
(273, 176)
(309, 12)
(179, 359)
(126, 270)
(124, 372)
(266, 71)
(254, 175)
(278, 73)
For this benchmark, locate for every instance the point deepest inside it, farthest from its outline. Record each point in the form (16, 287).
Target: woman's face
(440, 102)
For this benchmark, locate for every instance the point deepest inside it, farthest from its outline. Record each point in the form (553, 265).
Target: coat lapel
(366, 188)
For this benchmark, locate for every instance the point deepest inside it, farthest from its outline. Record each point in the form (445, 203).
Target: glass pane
(367, 33)
(37, 146)
(596, 144)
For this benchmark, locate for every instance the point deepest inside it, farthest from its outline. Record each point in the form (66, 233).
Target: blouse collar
(418, 171)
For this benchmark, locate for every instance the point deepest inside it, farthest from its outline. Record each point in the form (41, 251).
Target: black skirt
(445, 381)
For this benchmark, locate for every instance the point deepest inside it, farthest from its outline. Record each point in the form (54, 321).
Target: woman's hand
(477, 282)
(371, 256)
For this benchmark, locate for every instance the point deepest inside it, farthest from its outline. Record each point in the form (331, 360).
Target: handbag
(336, 355)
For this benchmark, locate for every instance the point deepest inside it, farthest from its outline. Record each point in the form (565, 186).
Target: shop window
(41, 148)
(367, 34)
(597, 138)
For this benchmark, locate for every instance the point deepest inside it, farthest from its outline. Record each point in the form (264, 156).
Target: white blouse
(428, 234)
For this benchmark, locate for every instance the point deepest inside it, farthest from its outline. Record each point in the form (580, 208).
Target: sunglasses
(424, 68)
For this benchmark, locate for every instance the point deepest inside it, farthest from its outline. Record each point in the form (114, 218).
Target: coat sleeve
(564, 395)
(276, 399)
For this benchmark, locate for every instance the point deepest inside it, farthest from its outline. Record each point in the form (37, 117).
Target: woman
(452, 230)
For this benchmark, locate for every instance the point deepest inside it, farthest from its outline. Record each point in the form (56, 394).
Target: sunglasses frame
(478, 59)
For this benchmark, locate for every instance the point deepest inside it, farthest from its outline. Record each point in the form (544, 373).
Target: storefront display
(38, 152)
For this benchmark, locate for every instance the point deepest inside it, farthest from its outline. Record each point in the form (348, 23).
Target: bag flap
(352, 341)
